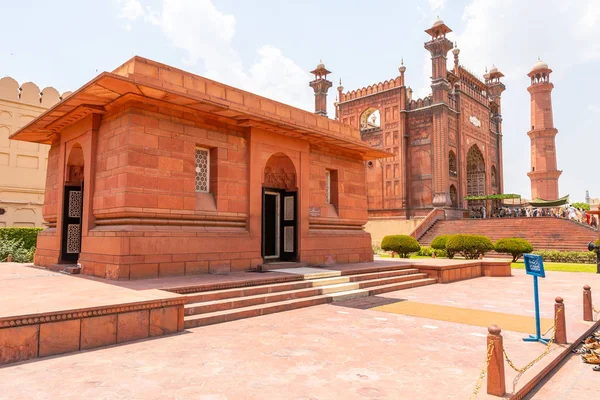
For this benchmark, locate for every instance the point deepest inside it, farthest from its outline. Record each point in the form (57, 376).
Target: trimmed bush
(428, 251)
(576, 257)
(28, 236)
(439, 243)
(469, 246)
(516, 247)
(401, 244)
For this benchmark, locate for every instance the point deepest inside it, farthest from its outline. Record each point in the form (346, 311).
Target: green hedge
(439, 243)
(428, 251)
(27, 235)
(578, 257)
(401, 244)
(516, 247)
(469, 246)
(19, 242)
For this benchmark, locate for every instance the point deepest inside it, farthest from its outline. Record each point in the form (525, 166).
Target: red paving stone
(322, 352)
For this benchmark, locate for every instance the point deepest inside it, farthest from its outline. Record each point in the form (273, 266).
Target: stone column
(560, 336)
(587, 304)
(496, 381)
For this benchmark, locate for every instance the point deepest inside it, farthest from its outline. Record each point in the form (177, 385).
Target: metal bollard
(587, 304)
(496, 381)
(560, 336)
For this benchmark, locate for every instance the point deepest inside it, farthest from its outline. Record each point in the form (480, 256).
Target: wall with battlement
(22, 165)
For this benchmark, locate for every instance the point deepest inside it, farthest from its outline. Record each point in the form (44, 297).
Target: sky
(268, 47)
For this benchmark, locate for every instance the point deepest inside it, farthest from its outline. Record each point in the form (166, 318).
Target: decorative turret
(439, 47)
(456, 52)
(320, 85)
(544, 173)
(402, 70)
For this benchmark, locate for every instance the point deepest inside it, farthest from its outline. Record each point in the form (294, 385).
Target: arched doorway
(475, 176)
(279, 210)
(72, 206)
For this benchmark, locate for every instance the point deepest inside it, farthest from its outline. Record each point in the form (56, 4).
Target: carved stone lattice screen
(475, 173)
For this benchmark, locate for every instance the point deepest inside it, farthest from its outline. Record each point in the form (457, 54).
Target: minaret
(587, 197)
(320, 85)
(544, 174)
(439, 47)
(495, 89)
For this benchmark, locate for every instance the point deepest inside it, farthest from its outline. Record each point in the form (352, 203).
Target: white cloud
(131, 10)
(436, 5)
(206, 35)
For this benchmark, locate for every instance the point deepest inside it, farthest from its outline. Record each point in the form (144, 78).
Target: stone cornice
(33, 319)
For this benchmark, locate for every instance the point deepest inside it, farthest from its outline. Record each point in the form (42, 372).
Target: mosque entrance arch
(475, 176)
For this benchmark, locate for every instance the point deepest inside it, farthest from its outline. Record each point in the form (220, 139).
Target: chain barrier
(483, 372)
(544, 354)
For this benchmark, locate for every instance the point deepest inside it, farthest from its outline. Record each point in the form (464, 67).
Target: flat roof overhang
(101, 92)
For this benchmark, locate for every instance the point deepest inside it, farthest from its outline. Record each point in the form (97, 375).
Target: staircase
(544, 233)
(216, 306)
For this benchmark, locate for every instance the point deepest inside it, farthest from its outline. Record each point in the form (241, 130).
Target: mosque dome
(539, 65)
(437, 22)
(320, 65)
(494, 69)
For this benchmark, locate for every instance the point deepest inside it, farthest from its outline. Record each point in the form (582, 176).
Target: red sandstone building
(154, 171)
(445, 146)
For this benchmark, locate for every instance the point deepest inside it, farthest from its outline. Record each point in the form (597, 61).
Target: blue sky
(268, 47)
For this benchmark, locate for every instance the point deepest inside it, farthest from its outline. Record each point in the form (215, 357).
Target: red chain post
(587, 303)
(560, 336)
(496, 381)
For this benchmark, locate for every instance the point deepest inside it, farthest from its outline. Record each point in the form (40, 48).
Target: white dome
(437, 22)
(494, 69)
(539, 65)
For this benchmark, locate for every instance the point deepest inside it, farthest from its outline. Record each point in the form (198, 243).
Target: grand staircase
(206, 307)
(544, 233)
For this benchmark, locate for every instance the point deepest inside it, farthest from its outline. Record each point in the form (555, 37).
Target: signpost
(534, 265)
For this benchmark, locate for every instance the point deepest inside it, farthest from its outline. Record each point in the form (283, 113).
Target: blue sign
(534, 265)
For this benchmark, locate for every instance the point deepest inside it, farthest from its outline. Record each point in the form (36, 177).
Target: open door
(279, 230)
(71, 224)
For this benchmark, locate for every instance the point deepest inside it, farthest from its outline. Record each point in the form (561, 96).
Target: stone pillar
(587, 304)
(560, 336)
(496, 381)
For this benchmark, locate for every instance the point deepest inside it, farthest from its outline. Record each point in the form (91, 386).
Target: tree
(516, 247)
(401, 244)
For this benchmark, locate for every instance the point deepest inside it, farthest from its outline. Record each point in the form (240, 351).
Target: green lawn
(564, 267)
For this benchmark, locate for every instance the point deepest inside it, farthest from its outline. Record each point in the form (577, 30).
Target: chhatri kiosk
(154, 171)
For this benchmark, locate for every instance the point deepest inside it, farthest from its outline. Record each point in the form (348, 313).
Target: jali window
(202, 170)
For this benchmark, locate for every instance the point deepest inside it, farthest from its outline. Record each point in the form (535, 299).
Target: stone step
(294, 285)
(216, 317)
(245, 301)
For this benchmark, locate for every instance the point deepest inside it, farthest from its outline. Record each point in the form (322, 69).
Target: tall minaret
(544, 174)
(320, 85)
(439, 46)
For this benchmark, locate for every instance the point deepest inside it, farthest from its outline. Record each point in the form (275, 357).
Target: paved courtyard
(324, 352)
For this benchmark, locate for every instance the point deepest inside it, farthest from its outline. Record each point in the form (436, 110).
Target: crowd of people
(566, 212)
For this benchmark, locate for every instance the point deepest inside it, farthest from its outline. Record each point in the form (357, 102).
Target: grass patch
(563, 267)
(387, 255)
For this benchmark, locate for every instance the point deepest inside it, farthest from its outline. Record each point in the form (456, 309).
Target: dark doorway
(279, 233)
(71, 224)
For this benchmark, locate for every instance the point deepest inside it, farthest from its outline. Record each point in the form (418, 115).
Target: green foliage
(17, 249)
(581, 257)
(439, 243)
(428, 251)
(469, 246)
(516, 247)
(19, 242)
(401, 244)
(27, 235)
(583, 206)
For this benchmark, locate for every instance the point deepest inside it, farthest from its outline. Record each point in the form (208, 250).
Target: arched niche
(75, 163)
(280, 173)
